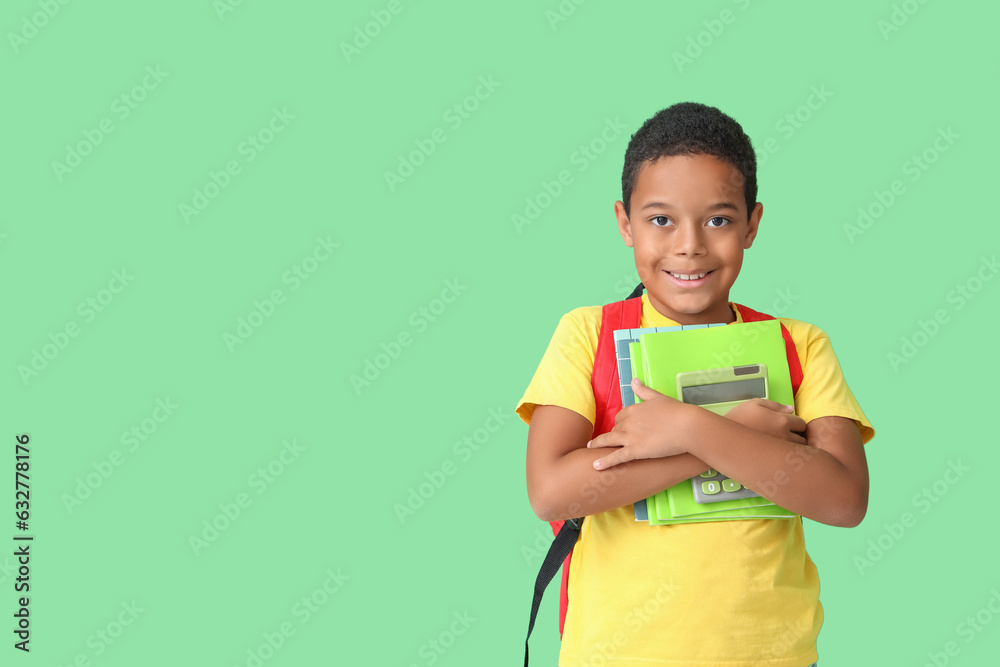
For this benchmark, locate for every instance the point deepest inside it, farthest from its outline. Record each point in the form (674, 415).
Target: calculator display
(722, 392)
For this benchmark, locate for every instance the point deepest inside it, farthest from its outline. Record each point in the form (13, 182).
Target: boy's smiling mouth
(688, 278)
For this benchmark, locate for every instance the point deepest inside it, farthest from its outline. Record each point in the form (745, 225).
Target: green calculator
(720, 390)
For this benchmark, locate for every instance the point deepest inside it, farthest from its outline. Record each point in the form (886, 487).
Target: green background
(470, 548)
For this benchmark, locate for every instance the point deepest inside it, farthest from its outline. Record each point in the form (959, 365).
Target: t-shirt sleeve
(563, 375)
(824, 391)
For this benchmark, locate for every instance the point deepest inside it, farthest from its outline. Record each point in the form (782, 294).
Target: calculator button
(730, 486)
(710, 473)
(710, 488)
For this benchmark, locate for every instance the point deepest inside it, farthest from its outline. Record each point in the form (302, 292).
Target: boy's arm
(562, 481)
(825, 479)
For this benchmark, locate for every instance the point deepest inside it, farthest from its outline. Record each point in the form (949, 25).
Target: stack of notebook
(716, 366)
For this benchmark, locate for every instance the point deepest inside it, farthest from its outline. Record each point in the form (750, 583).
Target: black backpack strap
(561, 547)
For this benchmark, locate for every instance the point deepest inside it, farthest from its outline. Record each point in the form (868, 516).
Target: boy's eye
(721, 221)
(660, 220)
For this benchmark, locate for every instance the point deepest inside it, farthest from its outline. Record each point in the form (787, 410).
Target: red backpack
(604, 380)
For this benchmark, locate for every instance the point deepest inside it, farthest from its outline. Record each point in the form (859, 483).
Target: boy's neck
(728, 317)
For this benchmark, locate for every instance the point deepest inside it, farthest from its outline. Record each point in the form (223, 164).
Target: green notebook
(657, 359)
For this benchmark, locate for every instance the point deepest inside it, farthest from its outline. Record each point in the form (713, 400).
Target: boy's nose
(688, 240)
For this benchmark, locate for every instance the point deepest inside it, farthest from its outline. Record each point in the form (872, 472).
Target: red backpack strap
(607, 396)
(794, 367)
(604, 379)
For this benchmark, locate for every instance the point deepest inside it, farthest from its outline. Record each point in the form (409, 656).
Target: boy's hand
(770, 417)
(646, 430)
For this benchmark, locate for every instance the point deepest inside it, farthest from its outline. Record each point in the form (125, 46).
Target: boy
(733, 593)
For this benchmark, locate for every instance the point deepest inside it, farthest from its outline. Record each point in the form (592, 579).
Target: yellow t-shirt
(733, 593)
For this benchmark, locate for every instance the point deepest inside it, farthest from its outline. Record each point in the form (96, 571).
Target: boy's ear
(624, 226)
(752, 225)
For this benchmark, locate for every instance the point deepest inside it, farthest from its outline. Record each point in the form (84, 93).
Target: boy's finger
(774, 405)
(614, 458)
(603, 440)
(796, 423)
(642, 391)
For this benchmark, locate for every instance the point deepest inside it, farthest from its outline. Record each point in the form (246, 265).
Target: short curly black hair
(689, 128)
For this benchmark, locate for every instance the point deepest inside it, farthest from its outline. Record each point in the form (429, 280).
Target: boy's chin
(691, 309)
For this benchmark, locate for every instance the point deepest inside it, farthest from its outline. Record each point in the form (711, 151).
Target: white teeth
(688, 276)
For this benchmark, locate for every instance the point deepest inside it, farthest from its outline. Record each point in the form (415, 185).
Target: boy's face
(688, 218)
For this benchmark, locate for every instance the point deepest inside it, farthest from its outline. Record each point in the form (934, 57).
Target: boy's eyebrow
(712, 207)
(723, 204)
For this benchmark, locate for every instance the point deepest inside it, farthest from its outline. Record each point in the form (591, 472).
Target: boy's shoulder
(803, 331)
(585, 317)
(806, 336)
(798, 324)
(812, 344)
(584, 314)
(591, 315)
(582, 323)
